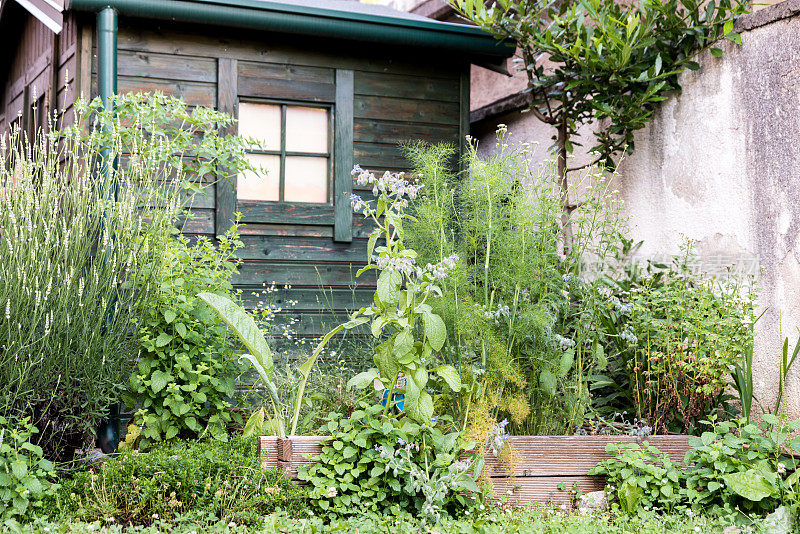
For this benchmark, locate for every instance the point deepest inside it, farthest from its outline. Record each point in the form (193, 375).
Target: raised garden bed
(542, 464)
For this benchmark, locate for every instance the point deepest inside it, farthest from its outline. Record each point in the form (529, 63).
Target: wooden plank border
(542, 464)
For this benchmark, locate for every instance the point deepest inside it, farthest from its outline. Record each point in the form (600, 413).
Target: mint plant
(640, 477)
(26, 477)
(375, 463)
(186, 370)
(402, 310)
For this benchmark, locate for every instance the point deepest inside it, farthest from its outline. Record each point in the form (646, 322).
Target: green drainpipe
(107, 430)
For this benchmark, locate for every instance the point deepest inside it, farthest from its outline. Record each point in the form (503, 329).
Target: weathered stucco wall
(720, 164)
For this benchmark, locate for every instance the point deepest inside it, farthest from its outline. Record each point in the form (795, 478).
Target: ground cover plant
(206, 480)
(26, 476)
(739, 470)
(492, 520)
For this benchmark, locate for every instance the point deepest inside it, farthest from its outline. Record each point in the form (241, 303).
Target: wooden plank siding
(396, 97)
(40, 69)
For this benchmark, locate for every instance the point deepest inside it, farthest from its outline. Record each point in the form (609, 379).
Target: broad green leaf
(547, 381)
(435, 330)
(163, 339)
(254, 423)
(388, 289)
(749, 484)
(19, 468)
(567, 358)
(707, 438)
(385, 361)
(449, 374)
(373, 238)
(422, 410)
(243, 326)
(181, 329)
(629, 494)
(169, 316)
(362, 380)
(159, 380)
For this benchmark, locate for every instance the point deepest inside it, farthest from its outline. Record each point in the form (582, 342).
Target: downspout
(108, 430)
(107, 66)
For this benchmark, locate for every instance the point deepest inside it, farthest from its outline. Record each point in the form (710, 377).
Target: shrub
(186, 367)
(73, 240)
(520, 309)
(379, 464)
(208, 480)
(673, 337)
(25, 475)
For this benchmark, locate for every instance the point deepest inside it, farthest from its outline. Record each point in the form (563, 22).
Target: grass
(491, 521)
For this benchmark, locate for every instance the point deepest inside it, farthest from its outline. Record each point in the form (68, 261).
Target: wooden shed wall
(397, 97)
(41, 67)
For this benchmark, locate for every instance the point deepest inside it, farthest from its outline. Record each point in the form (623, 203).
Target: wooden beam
(227, 102)
(343, 156)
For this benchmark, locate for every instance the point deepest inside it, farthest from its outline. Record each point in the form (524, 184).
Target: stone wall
(719, 164)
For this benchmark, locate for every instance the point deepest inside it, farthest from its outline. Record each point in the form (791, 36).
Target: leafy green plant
(260, 357)
(26, 477)
(186, 369)
(602, 61)
(786, 364)
(672, 338)
(736, 469)
(640, 477)
(740, 467)
(522, 318)
(206, 480)
(403, 303)
(377, 463)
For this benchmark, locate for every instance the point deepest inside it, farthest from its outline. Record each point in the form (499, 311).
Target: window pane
(261, 121)
(306, 130)
(264, 185)
(306, 179)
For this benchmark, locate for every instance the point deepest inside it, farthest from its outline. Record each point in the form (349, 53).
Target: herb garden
(514, 369)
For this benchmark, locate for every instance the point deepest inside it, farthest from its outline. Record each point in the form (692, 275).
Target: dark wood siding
(40, 67)
(397, 98)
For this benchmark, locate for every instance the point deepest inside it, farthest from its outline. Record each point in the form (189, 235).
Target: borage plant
(401, 308)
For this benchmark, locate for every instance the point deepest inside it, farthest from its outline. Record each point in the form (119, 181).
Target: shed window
(296, 153)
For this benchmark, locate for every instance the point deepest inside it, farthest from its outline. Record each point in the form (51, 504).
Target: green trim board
(225, 192)
(343, 156)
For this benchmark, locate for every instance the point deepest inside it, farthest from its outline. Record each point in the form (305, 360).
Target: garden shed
(324, 83)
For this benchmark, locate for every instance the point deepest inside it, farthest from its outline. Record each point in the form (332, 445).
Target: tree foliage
(604, 60)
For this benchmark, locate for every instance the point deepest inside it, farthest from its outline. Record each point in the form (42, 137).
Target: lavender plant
(402, 309)
(75, 238)
(65, 344)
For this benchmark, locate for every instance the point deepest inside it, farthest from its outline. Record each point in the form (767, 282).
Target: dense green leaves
(26, 477)
(604, 60)
(736, 467)
(186, 370)
(374, 462)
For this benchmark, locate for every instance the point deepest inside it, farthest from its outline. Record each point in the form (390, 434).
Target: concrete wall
(719, 164)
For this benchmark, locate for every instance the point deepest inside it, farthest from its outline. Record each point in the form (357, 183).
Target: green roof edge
(314, 21)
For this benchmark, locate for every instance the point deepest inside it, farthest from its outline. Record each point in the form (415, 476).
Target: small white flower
(232, 524)
(781, 468)
(155, 516)
(332, 492)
